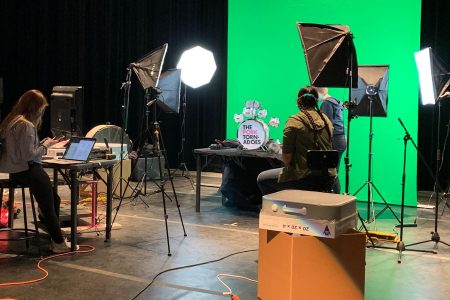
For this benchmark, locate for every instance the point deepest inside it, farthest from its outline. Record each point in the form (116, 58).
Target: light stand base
(434, 238)
(370, 185)
(400, 247)
(137, 190)
(184, 173)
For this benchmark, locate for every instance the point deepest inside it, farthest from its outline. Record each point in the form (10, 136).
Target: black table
(74, 170)
(229, 152)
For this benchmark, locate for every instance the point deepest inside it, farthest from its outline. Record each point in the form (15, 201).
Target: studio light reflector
(148, 68)
(197, 66)
(425, 69)
(170, 86)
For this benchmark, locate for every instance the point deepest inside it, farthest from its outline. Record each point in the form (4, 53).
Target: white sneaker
(65, 246)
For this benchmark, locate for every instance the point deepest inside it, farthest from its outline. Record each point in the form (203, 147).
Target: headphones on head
(308, 95)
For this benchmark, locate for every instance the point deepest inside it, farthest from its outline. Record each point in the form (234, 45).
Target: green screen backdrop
(266, 63)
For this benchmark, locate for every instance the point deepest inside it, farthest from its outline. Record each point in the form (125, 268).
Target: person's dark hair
(307, 98)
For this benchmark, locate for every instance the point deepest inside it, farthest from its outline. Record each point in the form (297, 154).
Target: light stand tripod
(159, 150)
(369, 181)
(350, 116)
(435, 235)
(347, 163)
(142, 182)
(147, 70)
(126, 99)
(182, 167)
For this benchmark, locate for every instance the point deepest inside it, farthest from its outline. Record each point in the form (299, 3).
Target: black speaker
(66, 110)
(138, 167)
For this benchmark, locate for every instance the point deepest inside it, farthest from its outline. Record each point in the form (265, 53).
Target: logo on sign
(250, 135)
(326, 232)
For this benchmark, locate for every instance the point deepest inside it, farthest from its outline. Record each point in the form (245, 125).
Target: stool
(11, 185)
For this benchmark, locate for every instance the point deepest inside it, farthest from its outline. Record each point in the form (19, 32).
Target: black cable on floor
(190, 266)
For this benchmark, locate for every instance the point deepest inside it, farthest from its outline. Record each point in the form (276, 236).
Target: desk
(231, 152)
(74, 170)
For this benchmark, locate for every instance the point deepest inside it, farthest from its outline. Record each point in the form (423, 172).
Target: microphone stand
(401, 245)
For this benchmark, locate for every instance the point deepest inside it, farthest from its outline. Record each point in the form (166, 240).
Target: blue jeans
(339, 144)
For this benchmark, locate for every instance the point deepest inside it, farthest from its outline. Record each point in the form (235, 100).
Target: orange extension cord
(44, 271)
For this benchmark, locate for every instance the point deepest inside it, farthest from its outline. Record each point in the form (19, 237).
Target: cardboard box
(126, 171)
(295, 267)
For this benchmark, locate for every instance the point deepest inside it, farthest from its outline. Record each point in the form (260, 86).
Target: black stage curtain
(91, 42)
(435, 33)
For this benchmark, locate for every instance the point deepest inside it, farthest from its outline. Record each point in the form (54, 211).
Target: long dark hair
(308, 98)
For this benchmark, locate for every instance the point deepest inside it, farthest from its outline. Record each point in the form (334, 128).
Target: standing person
(21, 158)
(308, 129)
(333, 108)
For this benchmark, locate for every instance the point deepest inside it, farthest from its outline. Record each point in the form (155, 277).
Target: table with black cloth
(72, 179)
(241, 169)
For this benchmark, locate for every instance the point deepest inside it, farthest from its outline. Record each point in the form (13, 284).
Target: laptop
(77, 151)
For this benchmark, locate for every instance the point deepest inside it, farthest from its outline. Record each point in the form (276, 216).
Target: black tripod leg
(163, 193)
(445, 198)
(137, 190)
(358, 190)
(400, 248)
(387, 205)
(121, 199)
(176, 201)
(184, 173)
(365, 229)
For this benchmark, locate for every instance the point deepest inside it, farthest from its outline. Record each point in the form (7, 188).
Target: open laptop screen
(79, 148)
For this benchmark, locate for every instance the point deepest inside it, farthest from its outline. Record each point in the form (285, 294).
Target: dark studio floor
(138, 251)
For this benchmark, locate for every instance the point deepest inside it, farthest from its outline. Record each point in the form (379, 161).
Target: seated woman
(21, 158)
(308, 129)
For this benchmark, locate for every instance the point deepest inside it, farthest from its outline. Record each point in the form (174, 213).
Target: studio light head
(148, 68)
(371, 94)
(197, 66)
(371, 90)
(426, 80)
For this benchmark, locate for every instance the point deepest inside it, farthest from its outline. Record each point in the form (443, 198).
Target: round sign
(253, 134)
